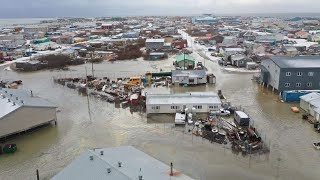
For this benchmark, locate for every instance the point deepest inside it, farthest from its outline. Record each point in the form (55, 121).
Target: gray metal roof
(311, 96)
(186, 98)
(297, 61)
(13, 99)
(18, 95)
(132, 160)
(7, 107)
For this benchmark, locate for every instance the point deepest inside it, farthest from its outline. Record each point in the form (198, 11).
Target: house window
(216, 107)
(155, 107)
(287, 85)
(298, 84)
(199, 107)
(299, 73)
(210, 107)
(310, 73)
(288, 73)
(174, 107)
(309, 84)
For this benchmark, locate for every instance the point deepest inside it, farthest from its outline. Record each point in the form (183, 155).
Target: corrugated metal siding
(25, 118)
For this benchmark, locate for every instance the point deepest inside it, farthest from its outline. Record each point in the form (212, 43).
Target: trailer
(241, 118)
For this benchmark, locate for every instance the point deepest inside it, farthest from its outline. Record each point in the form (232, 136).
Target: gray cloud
(60, 8)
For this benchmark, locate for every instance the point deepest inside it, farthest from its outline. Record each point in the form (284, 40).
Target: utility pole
(92, 63)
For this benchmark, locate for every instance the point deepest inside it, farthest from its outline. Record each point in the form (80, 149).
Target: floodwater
(51, 148)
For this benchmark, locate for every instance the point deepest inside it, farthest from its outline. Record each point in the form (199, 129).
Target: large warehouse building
(21, 111)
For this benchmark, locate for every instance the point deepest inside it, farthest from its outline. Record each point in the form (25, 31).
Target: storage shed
(241, 118)
(21, 111)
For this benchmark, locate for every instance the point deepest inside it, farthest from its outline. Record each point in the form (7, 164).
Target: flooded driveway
(50, 149)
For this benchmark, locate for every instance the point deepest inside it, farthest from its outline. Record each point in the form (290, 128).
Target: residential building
(189, 77)
(35, 29)
(180, 44)
(154, 44)
(117, 163)
(204, 20)
(291, 73)
(229, 41)
(11, 37)
(290, 51)
(21, 111)
(302, 35)
(239, 60)
(269, 38)
(172, 103)
(185, 61)
(231, 51)
(11, 44)
(311, 104)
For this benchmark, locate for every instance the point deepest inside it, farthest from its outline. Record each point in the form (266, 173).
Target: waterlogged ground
(50, 149)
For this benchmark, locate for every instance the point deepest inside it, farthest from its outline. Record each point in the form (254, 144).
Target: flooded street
(51, 148)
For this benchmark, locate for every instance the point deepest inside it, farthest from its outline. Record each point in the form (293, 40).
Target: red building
(180, 44)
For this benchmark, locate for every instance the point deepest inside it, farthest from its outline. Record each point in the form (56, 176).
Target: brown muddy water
(50, 149)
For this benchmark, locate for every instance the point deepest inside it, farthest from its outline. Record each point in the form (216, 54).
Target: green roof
(184, 57)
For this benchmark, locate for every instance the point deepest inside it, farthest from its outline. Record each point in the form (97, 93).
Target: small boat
(8, 149)
(316, 145)
(295, 109)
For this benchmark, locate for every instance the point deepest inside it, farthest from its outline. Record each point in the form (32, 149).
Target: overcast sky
(62, 8)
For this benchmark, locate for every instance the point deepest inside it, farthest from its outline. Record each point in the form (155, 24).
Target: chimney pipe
(91, 157)
(109, 170)
(171, 169)
(37, 172)
(119, 164)
(101, 153)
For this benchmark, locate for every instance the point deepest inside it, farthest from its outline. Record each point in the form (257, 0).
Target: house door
(184, 107)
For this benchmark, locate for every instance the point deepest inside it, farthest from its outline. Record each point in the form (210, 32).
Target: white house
(190, 77)
(311, 104)
(231, 51)
(12, 43)
(35, 29)
(275, 37)
(172, 103)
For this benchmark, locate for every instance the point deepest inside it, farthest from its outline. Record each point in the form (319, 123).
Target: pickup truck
(221, 112)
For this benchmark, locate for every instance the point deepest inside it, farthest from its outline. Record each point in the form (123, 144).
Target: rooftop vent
(11, 95)
(17, 98)
(119, 164)
(13, 103)
(140, 177)
(22, 101)
(91, 158)
(101, 153)
(6, 91)
(109, 170)
(9, 100)
(3, 96)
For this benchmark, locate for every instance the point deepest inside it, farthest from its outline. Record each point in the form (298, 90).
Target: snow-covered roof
(155, 40)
